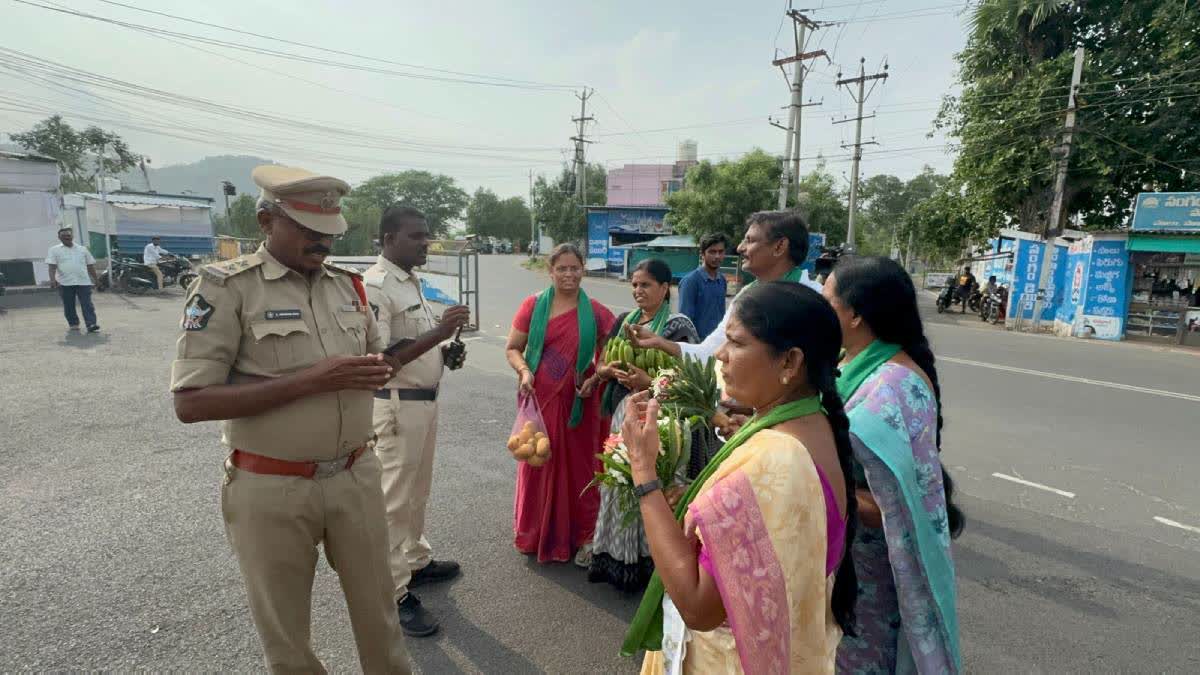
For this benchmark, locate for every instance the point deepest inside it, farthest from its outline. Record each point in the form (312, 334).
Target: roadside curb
(1127, 344)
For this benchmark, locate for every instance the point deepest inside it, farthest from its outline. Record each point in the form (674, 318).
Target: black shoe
(415, 621)
(94, 329)
(435, 571)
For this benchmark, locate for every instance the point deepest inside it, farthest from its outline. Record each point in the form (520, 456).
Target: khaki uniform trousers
(158, 275)
(275, 523)
(406, 437)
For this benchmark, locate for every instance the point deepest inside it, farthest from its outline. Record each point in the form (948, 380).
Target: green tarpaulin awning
(1165, 244)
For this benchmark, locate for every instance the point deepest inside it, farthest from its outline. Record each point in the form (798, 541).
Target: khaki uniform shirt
(253, 317)
(396, 298)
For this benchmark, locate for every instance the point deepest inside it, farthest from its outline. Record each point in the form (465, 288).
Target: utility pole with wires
(860, 98)
(532, 218)
(1053, 225)
(581, 142)
(791, 154)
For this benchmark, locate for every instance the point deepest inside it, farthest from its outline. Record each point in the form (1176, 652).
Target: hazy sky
(654, 65)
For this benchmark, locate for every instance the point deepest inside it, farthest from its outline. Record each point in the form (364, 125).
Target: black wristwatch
(646, 488)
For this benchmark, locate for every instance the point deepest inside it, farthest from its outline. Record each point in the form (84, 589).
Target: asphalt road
(116, 559)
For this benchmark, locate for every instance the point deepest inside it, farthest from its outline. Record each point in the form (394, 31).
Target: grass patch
(535, 264)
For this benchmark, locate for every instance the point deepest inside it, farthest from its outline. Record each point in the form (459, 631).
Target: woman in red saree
(552, 347)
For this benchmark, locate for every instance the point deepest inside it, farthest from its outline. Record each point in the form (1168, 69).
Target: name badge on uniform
(281, 314)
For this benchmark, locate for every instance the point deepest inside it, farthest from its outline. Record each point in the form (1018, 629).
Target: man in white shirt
(773, 248)
(73, 272)
(150, 257)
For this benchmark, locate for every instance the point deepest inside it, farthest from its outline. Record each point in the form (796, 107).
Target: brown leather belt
(248, 461)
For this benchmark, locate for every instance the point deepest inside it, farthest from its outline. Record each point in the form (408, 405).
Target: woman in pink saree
(758, 578)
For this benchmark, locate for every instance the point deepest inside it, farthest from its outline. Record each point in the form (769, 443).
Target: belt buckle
(328, 469)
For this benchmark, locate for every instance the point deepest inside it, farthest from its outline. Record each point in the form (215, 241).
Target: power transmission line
(327, 49)
(263, 51)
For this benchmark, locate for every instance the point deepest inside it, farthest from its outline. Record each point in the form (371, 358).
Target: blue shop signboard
(1167, 212)
(597, 237)
(1106, 290)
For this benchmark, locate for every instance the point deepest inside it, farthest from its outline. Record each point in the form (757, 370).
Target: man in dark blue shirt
(702, 291)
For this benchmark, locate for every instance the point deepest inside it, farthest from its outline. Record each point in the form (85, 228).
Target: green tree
(885, 204)
(436, 195)
(241, 220)
(1135, 102)
(718, 197)
(489, 216)
(514, 222)
(76, 151)
(556, 208)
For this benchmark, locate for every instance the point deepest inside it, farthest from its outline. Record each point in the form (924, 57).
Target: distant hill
(202, 178)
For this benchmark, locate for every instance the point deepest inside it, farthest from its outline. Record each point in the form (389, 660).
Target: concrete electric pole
(860, 98)
(581, 142)
(791, 154)
(1053, 225)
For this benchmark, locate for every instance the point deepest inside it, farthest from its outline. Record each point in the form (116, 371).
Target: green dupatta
(891, 448)
(585, 353)
(647, 628)
(794, 275)
(863, 366)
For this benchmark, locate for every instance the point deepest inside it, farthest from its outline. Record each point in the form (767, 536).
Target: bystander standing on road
(150, 257)
(73, 273)
(702, 291)
(406, 407)
(284, 349)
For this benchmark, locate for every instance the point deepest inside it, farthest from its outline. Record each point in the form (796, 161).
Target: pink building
(640, 184)
(649, 184)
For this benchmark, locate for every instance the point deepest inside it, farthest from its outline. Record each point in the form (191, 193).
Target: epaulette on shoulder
(342, 270)
(375, 277)
(220, 272)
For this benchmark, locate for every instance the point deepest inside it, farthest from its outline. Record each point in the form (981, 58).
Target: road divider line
(1029, 483)
(1172, 523)
(1072, 378)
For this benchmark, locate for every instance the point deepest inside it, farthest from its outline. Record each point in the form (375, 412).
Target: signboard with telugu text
(1167, 212)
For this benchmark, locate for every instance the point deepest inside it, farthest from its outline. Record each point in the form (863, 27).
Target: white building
(30, 215)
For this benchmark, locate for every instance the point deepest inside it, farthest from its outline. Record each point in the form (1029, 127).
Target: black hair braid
(922, 355)
(789, 316)
(845, 583)
(881, 292)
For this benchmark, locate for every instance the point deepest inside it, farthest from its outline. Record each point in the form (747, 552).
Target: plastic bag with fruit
(528, 441)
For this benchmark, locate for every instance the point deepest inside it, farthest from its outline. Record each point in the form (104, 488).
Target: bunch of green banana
(620, 351)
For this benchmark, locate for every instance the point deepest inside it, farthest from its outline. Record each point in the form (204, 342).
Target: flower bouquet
(675, 434)
(692, 391)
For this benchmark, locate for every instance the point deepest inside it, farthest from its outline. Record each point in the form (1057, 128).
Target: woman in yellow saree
(757, 579)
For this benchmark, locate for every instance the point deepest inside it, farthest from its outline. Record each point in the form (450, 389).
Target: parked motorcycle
(947, 296)
(127, 276)
(995, 305)
(974, 298)
(176, 269)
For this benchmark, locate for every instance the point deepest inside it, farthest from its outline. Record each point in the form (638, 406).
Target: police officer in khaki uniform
(284, 348)
(406, 408)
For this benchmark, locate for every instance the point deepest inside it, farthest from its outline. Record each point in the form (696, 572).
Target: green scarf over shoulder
(646, 630)
(584, 353)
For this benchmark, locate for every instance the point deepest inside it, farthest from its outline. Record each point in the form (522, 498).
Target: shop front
(1164, 264)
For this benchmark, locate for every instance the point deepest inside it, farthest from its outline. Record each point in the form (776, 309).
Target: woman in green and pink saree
(752, 570)
(907, 621)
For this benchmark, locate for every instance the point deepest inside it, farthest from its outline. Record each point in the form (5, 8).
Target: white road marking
(1047, 488)
(1072, 378)
(1172, 523)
